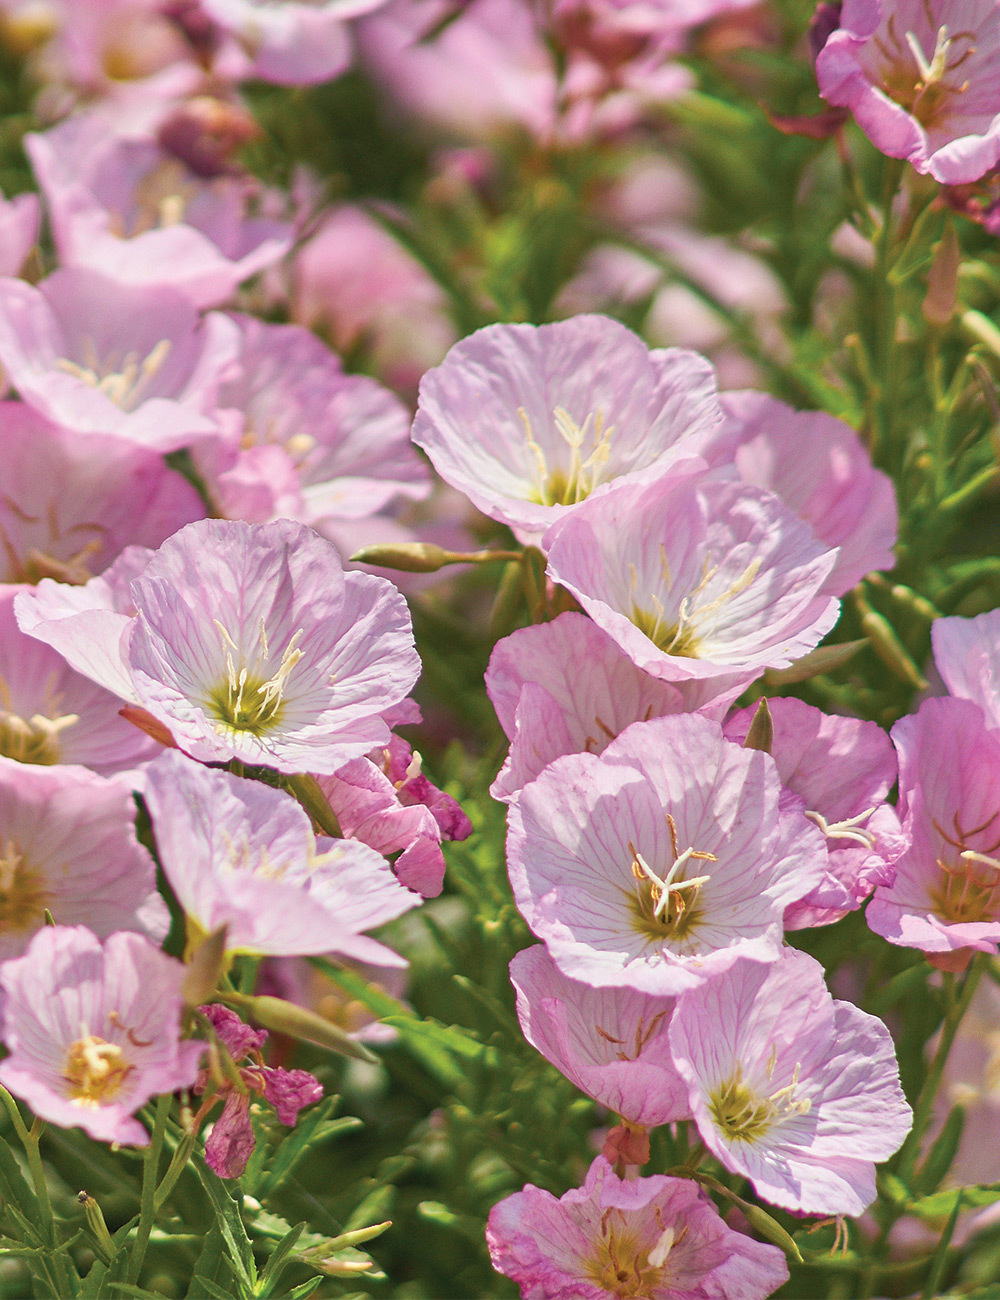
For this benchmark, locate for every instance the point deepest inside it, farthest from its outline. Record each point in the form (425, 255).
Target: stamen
(847, 829)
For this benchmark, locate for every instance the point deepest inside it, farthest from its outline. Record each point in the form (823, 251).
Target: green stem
(30, 1140)
(306, 789)
(178, 1163)
(147, 1202)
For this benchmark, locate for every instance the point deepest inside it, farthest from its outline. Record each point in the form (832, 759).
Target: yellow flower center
(624, 1267)
(125, 385)
(745, 1115)
(246, 700)
(968, 888)
(667, 907)
(95, 1071)
(685, 634)
(23, 897)
(572, 484)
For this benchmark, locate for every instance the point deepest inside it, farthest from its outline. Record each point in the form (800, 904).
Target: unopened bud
(761, 732)
(408, 557)
(145, 721)
(205, 968)
(942, 279)
(297, 1022)
(104, 1246)
(821, 660)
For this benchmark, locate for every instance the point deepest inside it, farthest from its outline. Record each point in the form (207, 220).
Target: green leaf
(232, 1227)
(15, 1191)
(937, 1206)
(305, 1289)
(277, 1262)
(212, 1265)
(313, 1127)
(941, 1254)
(942, 1153)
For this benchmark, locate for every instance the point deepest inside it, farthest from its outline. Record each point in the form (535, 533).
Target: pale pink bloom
(789, 1088)
(922, 78)
(485, 72)
(293, 44)
(70, 505)
(98, 357)
(68, 845)
(241, 854)
(137, 214)
(295, 979)
(528, 421)
(702, 581)
(19, 218)
(612, 1043)
(840, 770)
(51, 714)
(357, 283)
(661, 861)
(565, 687)
(231, 1142)
(819, 468)
(658, 1237)
(90, 625)
(386, 802)
(248, 642)
(946, 893)
(309, 442)
(94, 1031)
(967, 655)
(972, 1080)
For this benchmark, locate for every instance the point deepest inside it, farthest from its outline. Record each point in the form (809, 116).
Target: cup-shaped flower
(50, 713)
(248, 642)
(529, 421)
(68, 846)
(657, 1238)
(797, 1092)
(99, 357)
(819, 468)
(566, 687)
(702, 581)
(660, 861)
(922, 78)
(19, 221)
(841, 769)
(70, 505)
(137, 214)
(241, 854)
(967, 655)
(946, 892)
(612, 1043)
(93, 1030)
(310, 442)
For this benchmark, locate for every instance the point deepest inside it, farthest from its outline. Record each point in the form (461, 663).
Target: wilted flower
(93, 1030)
(231, 1142)
(660, 862)
(922, 78)
(659, 1238)
(795, 1091)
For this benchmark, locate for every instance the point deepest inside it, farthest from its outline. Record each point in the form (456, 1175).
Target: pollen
(744, 1114)
(247, 700)
(588, 450)
(23, 897)
(95, 1071)
(125, 385)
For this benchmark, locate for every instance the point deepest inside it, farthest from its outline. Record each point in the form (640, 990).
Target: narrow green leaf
(941, 1254)
(233, 1229)
(212, 1264)
(277, 1262)
(942, 1153)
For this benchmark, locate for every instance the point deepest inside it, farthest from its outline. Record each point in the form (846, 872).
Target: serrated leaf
(212, 1264)
(231, 1224)
(304, 1289)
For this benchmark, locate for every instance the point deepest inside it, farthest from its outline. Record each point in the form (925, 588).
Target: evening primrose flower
(528, 421)
(967, 655)
(565, 687)
(241, 854)
(93, 1030)
(661, 861)
(945, 898)
(789, 1088)
(68, 847)
(922, 78)
(247, 642)
(702, 581)
(612, 1043)
(653, 1238)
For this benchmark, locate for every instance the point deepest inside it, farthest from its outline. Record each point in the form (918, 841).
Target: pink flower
(51, 714)
(922, 78)
(231, 1142)
(658, 1237)
(661, 861)
(70, 505)
(127, 362)
(703, 582)
(136, 214)
(293, 44)
(385, 801)
(819, 468)
(67, 845)
(241, 854)
(967, 654)
(309, 442)
(93, 1030)
(946, 893)
(249, 642)
(19, 220)
(789, 1088)
(566, 688)
(840, 770)
(612, 1043)
(529, 421)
